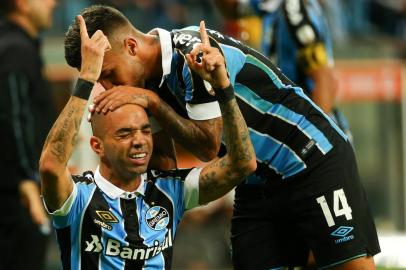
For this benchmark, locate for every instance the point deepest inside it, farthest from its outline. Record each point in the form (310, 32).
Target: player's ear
(131, 45)
(97, 145)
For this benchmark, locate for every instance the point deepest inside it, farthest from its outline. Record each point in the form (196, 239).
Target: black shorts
(324, 210)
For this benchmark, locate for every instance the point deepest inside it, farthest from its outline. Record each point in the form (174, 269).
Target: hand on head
(212, 66)
(92, 52)
(118, 96)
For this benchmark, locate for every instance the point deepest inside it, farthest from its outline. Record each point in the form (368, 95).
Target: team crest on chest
(157, 218)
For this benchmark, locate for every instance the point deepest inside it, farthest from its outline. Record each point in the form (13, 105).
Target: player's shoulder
(86, 177)
(185, 38)
(16, 53)
(14, 39)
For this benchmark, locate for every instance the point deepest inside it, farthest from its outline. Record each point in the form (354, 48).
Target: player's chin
(138, 169)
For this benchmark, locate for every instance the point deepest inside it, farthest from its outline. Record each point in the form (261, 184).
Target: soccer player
(124, 216)
(305, 195)
(296, 35)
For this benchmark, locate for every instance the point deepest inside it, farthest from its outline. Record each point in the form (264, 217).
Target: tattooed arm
(55, 178)
(201, 137)
(164, 152)
(221, 175)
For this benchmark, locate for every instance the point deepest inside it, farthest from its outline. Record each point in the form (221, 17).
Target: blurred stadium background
(370, 53)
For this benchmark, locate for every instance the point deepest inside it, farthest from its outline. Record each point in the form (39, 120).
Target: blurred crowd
(348, 19)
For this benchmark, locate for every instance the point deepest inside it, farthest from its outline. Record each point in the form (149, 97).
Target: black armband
(224, 95)
(83, 89)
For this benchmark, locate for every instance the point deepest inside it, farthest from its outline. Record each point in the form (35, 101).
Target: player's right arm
(221, 175)
(325, 87)
(164, 153)
(57, 184)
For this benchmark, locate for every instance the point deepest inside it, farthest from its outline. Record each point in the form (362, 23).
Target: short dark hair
(97, 17)
(6, 6)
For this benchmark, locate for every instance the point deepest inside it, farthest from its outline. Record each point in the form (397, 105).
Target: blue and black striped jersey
(103, 227)
(296, 35)
(289, 132)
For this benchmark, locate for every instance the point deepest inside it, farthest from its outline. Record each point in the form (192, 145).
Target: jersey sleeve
(201, 104)
(197, 93)
(72, 208)
(191, 189)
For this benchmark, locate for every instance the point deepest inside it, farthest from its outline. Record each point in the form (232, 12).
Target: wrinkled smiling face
(127, 142)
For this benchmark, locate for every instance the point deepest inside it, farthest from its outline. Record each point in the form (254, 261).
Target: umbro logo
(106, 216)
(342, 233)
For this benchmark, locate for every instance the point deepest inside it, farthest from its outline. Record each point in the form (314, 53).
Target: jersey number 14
(339, 200)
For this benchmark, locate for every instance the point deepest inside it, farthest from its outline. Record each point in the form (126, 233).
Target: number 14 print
(340, 207)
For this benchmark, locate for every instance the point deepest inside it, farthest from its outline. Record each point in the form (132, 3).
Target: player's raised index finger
(82, 27)
(203, 34)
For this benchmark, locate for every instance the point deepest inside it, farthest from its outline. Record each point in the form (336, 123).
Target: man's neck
(155, 57)
(24, 23)
(126, 184)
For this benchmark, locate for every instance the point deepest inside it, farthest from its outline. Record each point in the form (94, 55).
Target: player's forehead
(129, 115)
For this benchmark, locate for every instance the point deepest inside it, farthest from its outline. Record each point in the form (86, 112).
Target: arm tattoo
(62, 137)
(223, 174)
(189, 134)
(209, 181)
(236, 132)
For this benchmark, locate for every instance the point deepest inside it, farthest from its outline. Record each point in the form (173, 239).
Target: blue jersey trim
(235, 60)
(253, 60)
(299, 91)
(287, 115)
(171, 79)
(187, 78)
(288, 162)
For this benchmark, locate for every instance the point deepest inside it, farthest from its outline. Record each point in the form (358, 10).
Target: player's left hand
(117, 96)
(212, 66)
(30, 196)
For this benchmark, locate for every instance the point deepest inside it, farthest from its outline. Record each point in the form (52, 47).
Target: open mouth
(138, 156)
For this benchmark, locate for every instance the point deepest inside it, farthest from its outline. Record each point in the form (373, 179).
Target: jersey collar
(115, 192)
(166, 51)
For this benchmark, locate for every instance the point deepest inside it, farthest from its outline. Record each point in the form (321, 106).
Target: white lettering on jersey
(94, 245)
(115, 248)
